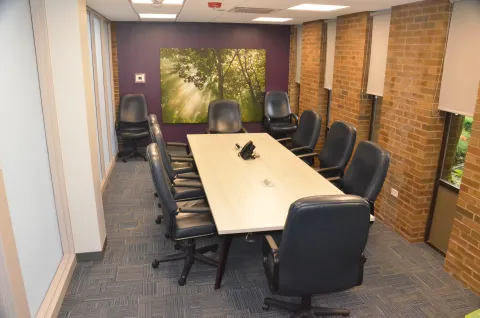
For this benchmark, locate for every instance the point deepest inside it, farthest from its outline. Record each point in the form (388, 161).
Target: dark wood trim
(435, 248)
(373, 117)
(92, 256)
(438, 176)
(327, 116)
(449, 186)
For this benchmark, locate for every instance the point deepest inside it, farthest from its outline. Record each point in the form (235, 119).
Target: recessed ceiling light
(316, 7)
(172, 2)
(157, 16)
(142, 1)
(267, 19)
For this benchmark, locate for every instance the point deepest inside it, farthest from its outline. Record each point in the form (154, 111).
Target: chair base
(134, 153)
(305, 308)
(189, 253)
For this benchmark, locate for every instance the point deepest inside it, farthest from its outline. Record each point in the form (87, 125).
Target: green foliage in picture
(191, 78)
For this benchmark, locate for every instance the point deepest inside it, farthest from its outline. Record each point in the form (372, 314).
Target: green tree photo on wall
(191, 78)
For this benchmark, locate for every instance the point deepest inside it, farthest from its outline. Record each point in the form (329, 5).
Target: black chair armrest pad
(195, 210)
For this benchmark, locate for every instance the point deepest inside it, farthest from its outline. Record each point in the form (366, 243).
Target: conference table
(248, 196)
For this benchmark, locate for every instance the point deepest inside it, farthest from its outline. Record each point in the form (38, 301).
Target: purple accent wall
(139, 44)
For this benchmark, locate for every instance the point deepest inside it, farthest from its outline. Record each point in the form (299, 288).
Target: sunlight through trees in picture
(192, 78)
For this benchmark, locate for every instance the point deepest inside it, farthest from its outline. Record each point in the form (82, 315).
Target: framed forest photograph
(192, 78)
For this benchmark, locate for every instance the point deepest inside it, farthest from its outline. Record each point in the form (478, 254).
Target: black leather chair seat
(282, 127)
(133, 132)
(193, 224)
(182, 193)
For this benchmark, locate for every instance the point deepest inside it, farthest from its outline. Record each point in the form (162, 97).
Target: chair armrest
(301, 149)
(336, 168)
(244, 130)
(187, 185)
(179, 144)
(181, 159)
(271, 243)
(295, 117)
(181, 156)
(194, 210)
(336, 181)
(187, 177)
(313, 154)
(281, 140)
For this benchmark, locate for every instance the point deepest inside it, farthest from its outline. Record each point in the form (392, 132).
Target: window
(460, 129)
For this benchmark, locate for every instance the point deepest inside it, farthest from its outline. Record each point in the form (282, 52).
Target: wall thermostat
(139, 77)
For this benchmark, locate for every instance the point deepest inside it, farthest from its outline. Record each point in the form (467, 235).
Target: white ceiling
(198, 11)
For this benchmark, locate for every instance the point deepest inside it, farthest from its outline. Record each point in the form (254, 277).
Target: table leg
(227, 241)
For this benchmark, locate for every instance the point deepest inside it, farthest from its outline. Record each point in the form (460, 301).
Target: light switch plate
(139, 77)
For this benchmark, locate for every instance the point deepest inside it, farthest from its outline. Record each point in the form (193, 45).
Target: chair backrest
(152, 119)
(367, 171)
(308, 130)
(162, 148)
(338, 146)
(162, 184)
(322, 245)
(133, 109)
(224, 117)
(277, 105)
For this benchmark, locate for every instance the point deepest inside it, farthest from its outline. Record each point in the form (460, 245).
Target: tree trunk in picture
(248, 80)
(221, 77)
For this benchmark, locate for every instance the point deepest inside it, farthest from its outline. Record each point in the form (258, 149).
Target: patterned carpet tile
(400, 279)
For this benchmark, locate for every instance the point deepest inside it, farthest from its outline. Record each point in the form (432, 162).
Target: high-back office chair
(224, 117)
(183, 221)
(306, 136)
(152, 119)
(321, 251)
(182, 190)
(278, 114)
(132, 122)
(366, 173)
(337, 150)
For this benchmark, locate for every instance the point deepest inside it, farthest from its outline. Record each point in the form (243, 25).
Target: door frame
(54, 297)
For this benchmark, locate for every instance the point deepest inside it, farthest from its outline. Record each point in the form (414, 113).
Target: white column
(71, 70)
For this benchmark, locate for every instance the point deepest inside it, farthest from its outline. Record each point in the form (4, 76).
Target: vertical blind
(299, 53)
(331, 40)
(378, 53)
(461, 71)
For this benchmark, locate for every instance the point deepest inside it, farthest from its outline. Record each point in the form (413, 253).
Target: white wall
(24, 156)
(71, 70)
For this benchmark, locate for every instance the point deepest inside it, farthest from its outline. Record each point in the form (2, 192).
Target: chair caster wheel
(145, 159)
(182, 281)
(177, 246)
(214, 248)
(158, 220)
(266, 307)
(124, 160)
(156, 194)
(167, 236)
(155, 263)
(159, 205)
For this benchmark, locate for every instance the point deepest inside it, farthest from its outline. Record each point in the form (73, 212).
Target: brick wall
(350, 73)
(293, 86)
(408, 129)
(463, 256)
(115, 68)
(312, 94)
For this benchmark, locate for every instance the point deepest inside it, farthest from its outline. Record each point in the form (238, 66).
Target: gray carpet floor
(400, 279)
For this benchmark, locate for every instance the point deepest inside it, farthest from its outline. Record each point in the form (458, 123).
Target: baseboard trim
(92, 256)
(53, 300)
(104, 183)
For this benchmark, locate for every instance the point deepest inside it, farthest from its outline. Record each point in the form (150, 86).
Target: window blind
(378, 53)
(461, 71)
(299, 53)
(329, 60)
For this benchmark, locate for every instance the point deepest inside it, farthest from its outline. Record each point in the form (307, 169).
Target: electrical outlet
(394, 193)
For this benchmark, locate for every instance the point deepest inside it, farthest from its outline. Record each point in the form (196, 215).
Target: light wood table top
(240, 200)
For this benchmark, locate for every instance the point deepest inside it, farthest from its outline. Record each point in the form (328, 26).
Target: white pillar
(72, 80)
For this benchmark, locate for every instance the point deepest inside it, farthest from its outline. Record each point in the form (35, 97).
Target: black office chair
(278, 115)
(305, 138)
(321, 251)
(132, 122)
(152, 119)
(224, 117)
(336, 151)
(184, 221)
(366, 173)
(177, 167)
